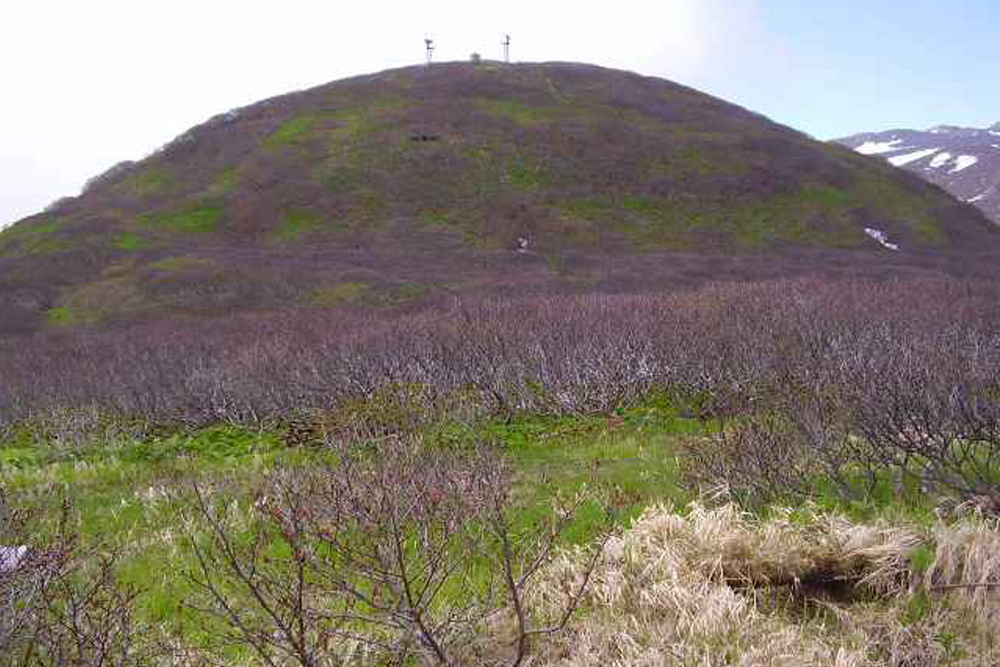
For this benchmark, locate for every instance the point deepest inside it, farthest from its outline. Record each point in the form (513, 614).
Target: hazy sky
(88, 83)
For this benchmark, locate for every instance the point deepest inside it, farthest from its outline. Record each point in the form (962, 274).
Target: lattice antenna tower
(429, 44)
(506, 48)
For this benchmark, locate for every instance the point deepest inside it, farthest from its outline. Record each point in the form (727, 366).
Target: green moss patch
(60, 316)
(129, 242)
(295, 224)
(150, 180)
(180, 264)
(520, 112)
(225, 182)
(197, 218)
(339, 293)
(292, 131)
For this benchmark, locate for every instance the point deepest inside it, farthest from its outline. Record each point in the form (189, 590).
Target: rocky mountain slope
(963, 161)
(403, 187)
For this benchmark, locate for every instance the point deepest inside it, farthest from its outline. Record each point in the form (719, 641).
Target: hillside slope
(421, 183)
(963, 161)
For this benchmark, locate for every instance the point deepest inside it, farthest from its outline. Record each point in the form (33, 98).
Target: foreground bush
(61, 604)
(391, 556)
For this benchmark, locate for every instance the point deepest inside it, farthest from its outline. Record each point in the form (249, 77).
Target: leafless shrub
(851, 405)
(856, 381)
(387, 556)
(62, 605)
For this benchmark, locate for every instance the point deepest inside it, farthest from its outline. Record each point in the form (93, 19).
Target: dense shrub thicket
(848, 381)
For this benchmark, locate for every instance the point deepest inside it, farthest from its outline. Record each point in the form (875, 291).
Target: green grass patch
(129, 242)
(60, 316)
(339, 293)
(519, 112)
(181, 263)
(195, 218)
(131, 493)
(890, 201)
(295, 224)
(147, 181)
(225, 182)
(292, 131)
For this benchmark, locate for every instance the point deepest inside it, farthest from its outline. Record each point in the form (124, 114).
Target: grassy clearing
(129, 493)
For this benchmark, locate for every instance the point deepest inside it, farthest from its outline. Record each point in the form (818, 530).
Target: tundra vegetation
(797, 472)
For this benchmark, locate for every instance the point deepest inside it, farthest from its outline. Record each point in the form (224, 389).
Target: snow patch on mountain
(900, 160)
(940, 160)
(881, 237)
(879, 147)
(963, 162)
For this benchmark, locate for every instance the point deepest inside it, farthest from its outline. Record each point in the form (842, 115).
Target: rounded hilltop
(396, 187)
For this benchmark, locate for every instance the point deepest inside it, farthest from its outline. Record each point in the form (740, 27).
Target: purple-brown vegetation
(897, 374)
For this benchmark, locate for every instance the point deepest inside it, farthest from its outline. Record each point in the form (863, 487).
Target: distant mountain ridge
(965, 161)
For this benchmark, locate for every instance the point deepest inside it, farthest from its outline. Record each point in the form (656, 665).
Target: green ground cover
(135, 495)
(129, 494)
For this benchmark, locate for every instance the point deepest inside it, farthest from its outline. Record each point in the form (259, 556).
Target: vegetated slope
(964, 161)
(419, 183)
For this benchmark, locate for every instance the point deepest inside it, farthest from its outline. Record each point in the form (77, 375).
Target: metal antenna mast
(506, 48)
(429, 43)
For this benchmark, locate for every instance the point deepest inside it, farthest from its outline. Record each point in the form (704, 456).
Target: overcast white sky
(88, 83)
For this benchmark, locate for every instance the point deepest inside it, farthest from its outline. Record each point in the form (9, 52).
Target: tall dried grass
(717, 586)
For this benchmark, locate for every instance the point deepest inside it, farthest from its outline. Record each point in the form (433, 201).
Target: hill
(964, 161)
(395, 189)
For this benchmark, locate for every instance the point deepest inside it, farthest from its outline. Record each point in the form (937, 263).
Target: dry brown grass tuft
(717, 586)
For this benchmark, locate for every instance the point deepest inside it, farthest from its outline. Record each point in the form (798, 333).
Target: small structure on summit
(429, 45)
(506, 48)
